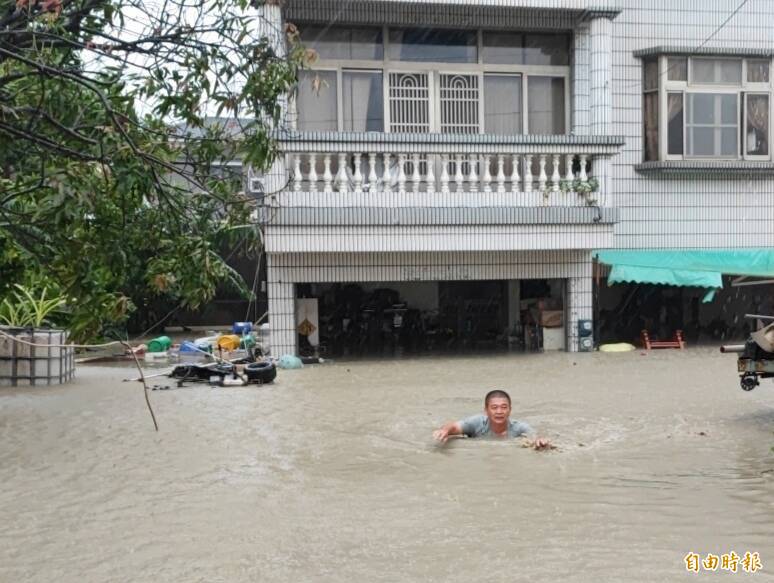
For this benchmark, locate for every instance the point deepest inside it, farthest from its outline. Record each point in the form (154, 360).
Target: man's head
(497, 406)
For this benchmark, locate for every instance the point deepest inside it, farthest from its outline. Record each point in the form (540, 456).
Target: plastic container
(246, 342)
(160, 344)
(242, 328)
(23, 364)
(229, 342)
(188, 346)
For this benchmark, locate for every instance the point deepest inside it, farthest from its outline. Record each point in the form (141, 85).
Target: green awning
(692, 268)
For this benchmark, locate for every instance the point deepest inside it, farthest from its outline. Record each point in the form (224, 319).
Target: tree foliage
(111, 183)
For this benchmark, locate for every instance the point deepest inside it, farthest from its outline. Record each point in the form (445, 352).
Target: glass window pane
(651, 75)
(338, 42)
(546, 105)
(725, 71)
(650, 119)
(675, 124)
(758, 71)
(504, 48)
(316, 101)
(728, 142)
(363, 101)
(757, 125)
(703, 141)
(502, 104)
(701, 108)
(703, 70)
(429, 44)
(547, 49)
(729, 111)
(677, 68)
(730, 71)
(713, 124)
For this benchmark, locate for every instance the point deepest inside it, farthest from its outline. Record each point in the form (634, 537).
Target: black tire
(261, 373)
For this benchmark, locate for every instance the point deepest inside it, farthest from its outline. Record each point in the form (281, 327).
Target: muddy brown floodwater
(331, 474)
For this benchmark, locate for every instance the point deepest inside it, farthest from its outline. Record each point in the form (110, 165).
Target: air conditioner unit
(256, 183)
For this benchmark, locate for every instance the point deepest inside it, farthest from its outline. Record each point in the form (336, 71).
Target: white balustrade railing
(404, 172)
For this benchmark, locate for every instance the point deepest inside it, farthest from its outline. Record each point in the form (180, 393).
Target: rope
(20, 341)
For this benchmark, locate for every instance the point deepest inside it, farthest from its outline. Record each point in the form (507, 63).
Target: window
(433, 45)
(414, 80)
(706, 108)
(337, 42)
(318, 101)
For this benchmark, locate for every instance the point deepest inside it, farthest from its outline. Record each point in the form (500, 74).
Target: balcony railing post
(458, 176)
(444, 173)
(327, 176)
(487, 174)
(528, 173)
(555, 176)
(401, 173)
(515, 178)
(583, 176)
(473, 176)
(543, 178)
(430, 176)
(416, 177)
(342, 181)
(357, 176)
(386, 176)
(373, 179)
(313, 178)
(500, 173)
(297, 176)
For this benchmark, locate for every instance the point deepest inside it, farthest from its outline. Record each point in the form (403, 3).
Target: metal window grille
(409, 103)
(459, 101)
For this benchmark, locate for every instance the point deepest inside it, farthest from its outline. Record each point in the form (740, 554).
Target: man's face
(498, 410)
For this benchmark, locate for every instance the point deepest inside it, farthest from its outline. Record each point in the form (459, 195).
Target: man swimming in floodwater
(496, 422)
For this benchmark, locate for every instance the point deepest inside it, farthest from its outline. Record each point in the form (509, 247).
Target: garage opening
(429, 317)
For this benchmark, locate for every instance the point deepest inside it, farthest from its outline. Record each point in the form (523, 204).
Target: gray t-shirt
(478, 426)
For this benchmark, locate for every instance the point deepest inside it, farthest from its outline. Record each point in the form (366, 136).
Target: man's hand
(441, 434)
(539, 444)
(542, 443)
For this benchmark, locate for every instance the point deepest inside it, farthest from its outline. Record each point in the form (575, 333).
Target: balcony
(407, 170)
(433, 192)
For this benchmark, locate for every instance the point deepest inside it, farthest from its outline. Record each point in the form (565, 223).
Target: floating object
(229, 342)
(242, 328)
(188, 346)
(201, 372)
(160, 344)
(261, 372)
(288, 361)
(156, 355)
(246, 342)
(618, 347)
(756, 356)
(676, 342)
(26, 358)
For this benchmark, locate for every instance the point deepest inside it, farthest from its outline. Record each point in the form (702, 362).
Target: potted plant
(31, 352)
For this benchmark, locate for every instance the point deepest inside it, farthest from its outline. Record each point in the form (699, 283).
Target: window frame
(435, 69)
(687, 87)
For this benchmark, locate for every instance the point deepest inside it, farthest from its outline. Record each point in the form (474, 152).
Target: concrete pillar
(581, 88)
(271, 27)
(600, 73)
(579, 304)
(282, 310)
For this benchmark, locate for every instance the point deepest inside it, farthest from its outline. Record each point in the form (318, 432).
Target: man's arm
(450, 428)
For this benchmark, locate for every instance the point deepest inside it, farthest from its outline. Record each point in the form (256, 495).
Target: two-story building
(449, 167)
